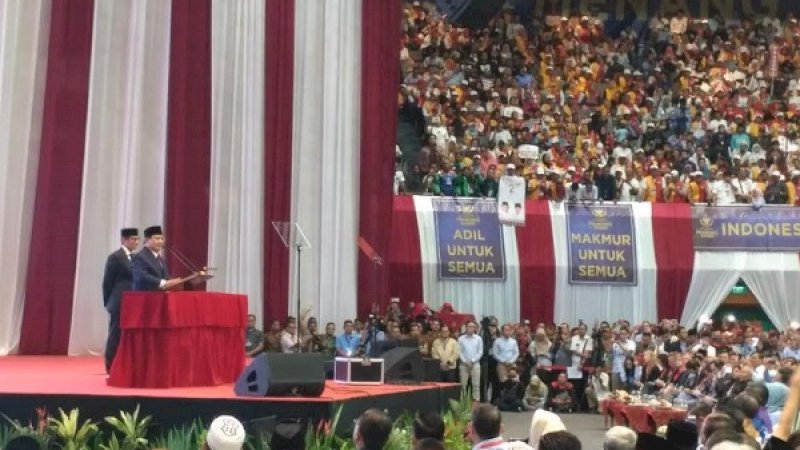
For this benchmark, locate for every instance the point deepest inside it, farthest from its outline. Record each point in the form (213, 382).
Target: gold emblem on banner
(706, 229)
(467, 216)
(599, 220)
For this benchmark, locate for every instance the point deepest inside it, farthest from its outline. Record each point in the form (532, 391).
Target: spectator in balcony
(447, 182)
(776, 192)
(587, 191)
(723, 191)
(606, 184)
(489, 185)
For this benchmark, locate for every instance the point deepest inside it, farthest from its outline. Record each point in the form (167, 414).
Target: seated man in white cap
(225, 433)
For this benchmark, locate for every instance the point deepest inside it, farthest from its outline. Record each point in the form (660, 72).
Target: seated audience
(372, 430)
(619, 438)
(485, 427)
(511, 393)
(535, 394)
(562, 395)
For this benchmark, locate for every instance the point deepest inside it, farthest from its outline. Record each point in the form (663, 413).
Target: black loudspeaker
(403, 365)
(433, 370)
(470, 13)
(282, 375)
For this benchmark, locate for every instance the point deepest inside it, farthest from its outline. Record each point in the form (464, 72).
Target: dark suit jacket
(117, 278)
(147, 272)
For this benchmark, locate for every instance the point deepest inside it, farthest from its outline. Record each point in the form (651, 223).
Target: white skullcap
(225, 433)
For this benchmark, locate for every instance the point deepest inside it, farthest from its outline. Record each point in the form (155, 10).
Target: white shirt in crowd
(288, 342)
(742, 187)
(441, 134)
(723, 193)
(625, 194)
(580, 345)
(399, 178)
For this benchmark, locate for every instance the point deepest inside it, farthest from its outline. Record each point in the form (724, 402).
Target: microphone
(183, 259)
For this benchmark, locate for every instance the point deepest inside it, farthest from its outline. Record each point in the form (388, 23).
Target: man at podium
(148, 266)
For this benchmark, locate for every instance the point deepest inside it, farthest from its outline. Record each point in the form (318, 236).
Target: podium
(180, 339)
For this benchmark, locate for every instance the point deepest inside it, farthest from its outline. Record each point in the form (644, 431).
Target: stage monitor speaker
(403, 365)
(433, 370)
(470, 13)
(283, 375)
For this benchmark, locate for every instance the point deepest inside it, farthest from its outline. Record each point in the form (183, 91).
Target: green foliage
(456, 420)
(69, 433)
(132, 428)
(132, 431)
(462, 407)
(323, 436)
(257, 442)
(185, 437)
(6, 433)
(13, 428)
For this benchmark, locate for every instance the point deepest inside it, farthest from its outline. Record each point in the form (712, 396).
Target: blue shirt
(505, 350)
(777, 396)
(788, 352)
(348, 342)
(470, 348)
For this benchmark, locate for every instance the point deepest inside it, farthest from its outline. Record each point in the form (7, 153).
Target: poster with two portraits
(511, 200)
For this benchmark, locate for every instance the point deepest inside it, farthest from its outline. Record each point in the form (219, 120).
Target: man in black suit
(149, 268)
(117, 278)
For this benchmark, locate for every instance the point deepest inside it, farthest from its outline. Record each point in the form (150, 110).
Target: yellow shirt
(694, 192)
(792, 193)
(650, 185)
(446, 351)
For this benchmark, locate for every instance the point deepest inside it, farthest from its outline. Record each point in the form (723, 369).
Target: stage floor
(27, 382)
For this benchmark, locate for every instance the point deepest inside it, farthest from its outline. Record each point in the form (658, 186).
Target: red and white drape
(536, 285)
(213, 118)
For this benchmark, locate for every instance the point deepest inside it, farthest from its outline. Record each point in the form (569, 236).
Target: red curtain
(51, 268)
(380, 46)
(674, 248)
(189, 132)
(537, 273)
(279, 89)
(405, 259)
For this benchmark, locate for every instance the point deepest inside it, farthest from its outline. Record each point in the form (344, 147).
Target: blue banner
(602, 244)
(469, 239)
(772, 228)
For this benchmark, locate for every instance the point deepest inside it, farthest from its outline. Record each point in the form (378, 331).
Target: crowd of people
(740, 384)
(684, 110)
(564, 368)
(735, 424)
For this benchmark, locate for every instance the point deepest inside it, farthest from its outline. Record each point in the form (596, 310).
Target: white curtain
(594, 302)
(774, 279)
(325, 151)
(24, 32)
(482, 298)
(715, 274)
(124, 166)
(237, 149)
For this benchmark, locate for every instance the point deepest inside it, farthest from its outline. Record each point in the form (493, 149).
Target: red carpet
(84, 375)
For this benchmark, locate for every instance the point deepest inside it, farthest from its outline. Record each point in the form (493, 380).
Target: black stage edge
(168, 412)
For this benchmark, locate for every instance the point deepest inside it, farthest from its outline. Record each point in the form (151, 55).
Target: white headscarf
(543, 422)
